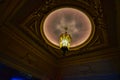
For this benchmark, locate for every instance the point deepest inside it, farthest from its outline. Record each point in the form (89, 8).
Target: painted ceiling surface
(77, 23)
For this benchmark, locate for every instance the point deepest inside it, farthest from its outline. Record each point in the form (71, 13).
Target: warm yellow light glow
(65, 40)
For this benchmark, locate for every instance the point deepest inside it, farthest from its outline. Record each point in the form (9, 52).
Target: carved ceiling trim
(32, 24)
(23, 29)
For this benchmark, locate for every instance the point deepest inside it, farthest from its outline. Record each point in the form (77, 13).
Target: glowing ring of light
(80, 27)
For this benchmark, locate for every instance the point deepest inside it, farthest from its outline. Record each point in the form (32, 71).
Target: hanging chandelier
(65, 40)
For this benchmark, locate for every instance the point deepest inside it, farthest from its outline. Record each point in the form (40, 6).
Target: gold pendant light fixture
(65, 40)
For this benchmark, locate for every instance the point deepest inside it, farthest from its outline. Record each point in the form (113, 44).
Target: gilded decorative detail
(91, 7)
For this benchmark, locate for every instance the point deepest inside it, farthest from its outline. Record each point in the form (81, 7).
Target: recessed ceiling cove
(78, 23)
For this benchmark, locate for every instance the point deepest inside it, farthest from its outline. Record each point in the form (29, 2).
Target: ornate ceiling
(30, 23)
(23, 43)
(77, 23)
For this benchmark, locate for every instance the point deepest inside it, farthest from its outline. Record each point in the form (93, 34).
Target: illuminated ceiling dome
(78, 24)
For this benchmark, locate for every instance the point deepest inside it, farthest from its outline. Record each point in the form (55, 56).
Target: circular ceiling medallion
(78, 24)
